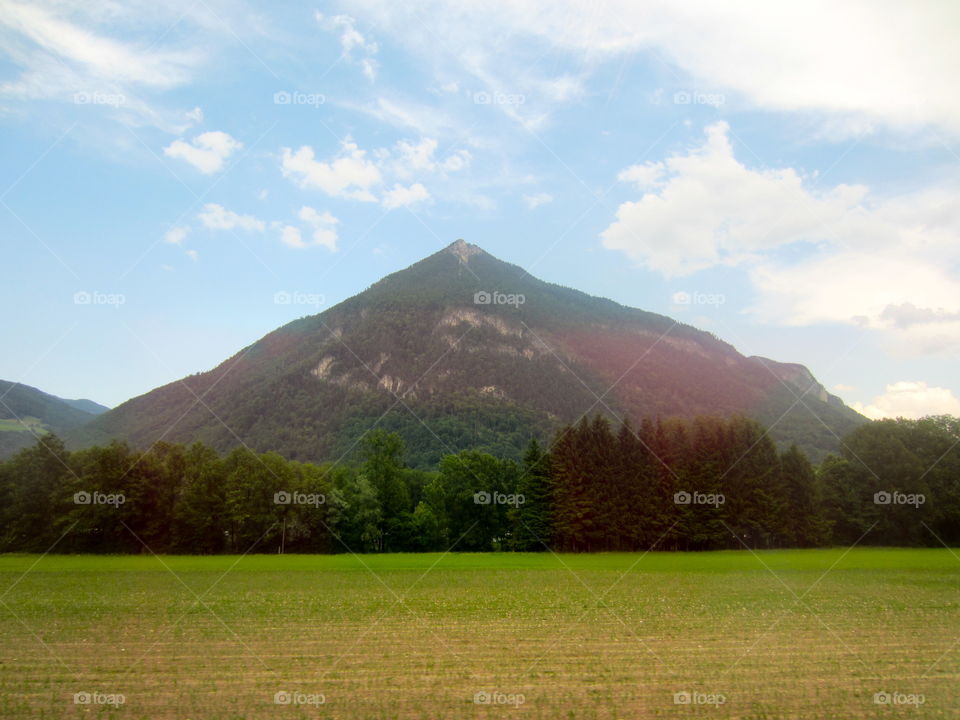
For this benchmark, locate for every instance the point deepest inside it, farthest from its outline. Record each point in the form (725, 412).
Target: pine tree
(532, 520)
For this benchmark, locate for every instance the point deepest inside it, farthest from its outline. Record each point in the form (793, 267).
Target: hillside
(418, 354)
(26, 412)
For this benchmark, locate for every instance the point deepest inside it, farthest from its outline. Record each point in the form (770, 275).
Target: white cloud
(290, 236)
(354, 46)
(644, 177)
(910, 400)
(457, 160)
(538, 199)
(710, 209)
(206, 152)
(896, 275)
(864, 70)
(415, 157)
(65, 49)
(323, 226)
(851, 286)
(348, 175)
(835, 255)
(176, 235)
(361, 175)
(401, 196)
(412, 158)
(192, 254)
(217, 217)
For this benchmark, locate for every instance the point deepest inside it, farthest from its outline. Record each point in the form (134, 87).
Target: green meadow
(864, 633)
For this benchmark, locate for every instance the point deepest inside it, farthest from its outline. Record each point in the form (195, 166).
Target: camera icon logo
(482, 698)
(281, 98)
(282, 697)
(82, 698)
(681, 698)
(482, 298)
(482, 498)
(82, 498)
(481, 98)
(682, 498)
(882, 498)
(682, 98)
(681, 298)
(282, 498)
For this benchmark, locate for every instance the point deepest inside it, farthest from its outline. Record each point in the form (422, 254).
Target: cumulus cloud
(217, 217)
(401, 196)
(322, 225)
(538, 199)
(813, 256)
(348, 175)
(457, 160)
(907, 315)
(910, 400)
(357, 174)
(417, 158)
(291, 237)
(707, 208)
(643, 177)
(206, 152)
(176, 235)
(355, 46)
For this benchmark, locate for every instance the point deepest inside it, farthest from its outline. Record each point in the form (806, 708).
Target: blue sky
(166, 172)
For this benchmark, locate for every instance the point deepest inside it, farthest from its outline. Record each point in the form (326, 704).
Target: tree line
(698, 484)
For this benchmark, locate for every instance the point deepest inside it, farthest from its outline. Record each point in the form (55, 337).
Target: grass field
(791, 634)
(24, 424)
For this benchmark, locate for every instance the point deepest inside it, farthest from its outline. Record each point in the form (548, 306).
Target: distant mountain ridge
(87, 406)
(26, 412)
(464, 350)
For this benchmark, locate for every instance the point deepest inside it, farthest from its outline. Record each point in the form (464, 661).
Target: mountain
(26, 412)
(87, 406)
(464, 350)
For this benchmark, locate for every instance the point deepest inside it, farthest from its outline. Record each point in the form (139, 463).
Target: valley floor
(863, 633)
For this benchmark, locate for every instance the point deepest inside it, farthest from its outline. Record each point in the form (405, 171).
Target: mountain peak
(463, 250)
